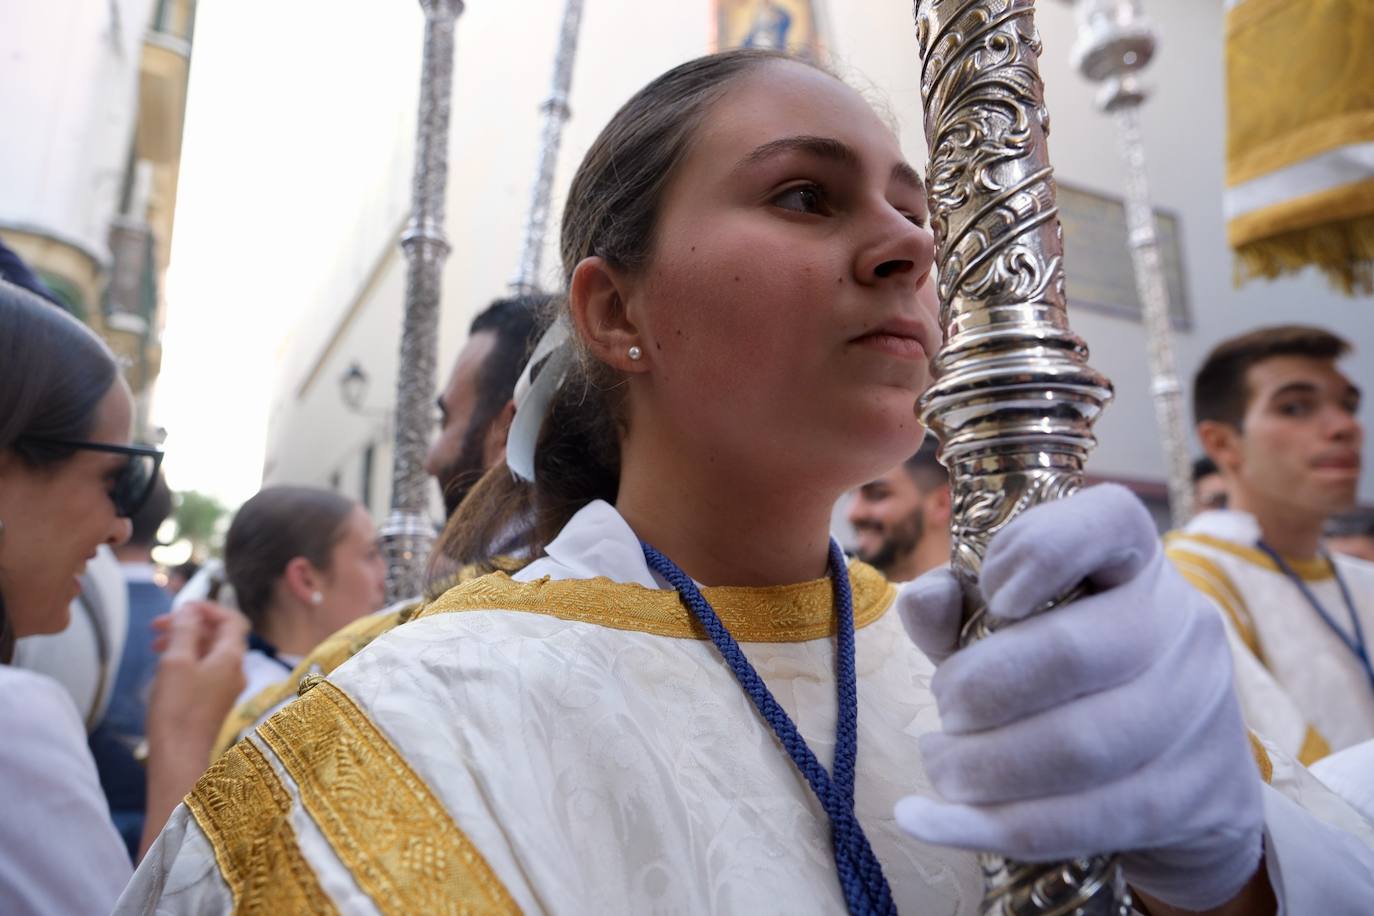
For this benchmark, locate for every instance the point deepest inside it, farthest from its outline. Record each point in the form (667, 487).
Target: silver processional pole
(556, 114)
(408, 532)
(1114, 43)
(1014, 400)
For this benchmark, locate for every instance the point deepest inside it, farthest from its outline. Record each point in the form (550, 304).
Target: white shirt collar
(1227, 524)
(597, 541)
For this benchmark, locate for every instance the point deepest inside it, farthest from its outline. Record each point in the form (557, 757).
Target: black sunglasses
(133, 483)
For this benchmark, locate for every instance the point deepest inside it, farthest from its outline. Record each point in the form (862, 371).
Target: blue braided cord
(861, 877)
(847, 738)
(1357, 645)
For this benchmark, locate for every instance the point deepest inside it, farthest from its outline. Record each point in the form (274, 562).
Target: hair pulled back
(611, 212)
(54, 372)
(272, 529)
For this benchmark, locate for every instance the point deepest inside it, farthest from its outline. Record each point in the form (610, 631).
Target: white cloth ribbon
(533, 396)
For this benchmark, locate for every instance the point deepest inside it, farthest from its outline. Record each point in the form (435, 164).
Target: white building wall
(69, 86)
(504, 59)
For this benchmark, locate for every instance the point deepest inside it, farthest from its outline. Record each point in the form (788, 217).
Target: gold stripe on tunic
(1266, 766)
(323, 659)
(1313, 570)
(1314, 747)
(1212, 581)
(782, 613)
(386, 826)
(244, 812)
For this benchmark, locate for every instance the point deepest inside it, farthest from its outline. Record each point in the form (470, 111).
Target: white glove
(1108, 725)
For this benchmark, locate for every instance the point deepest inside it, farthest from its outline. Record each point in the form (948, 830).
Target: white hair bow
(534, 394)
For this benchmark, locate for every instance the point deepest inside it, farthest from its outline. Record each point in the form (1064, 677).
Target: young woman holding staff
(689, 701)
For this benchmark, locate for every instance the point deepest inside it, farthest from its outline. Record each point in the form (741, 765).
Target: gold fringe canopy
(1300, 98)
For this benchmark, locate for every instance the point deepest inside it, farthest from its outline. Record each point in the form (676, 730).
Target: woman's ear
(301, 580)
(597, 297)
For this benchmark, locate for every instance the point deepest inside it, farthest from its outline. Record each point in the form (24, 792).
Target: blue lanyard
(1357, 645)
(866, 891)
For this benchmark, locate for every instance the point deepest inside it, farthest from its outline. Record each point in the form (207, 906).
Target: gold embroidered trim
(1313, 570)
(244, 812)
(1212, 581)
(336, 649)
(782, 613)
(1266, 766)
(386, 826)
(1314, 747)
(1352, 201)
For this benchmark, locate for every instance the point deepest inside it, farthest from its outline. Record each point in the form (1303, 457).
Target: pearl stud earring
(636, 353)
(316, 598)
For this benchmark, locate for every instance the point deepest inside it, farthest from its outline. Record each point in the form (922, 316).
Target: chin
(54, 618)
(1340, 499)
(885, 440)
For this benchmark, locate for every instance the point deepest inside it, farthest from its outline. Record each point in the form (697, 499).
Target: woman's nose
(901, 250)
(120, 532)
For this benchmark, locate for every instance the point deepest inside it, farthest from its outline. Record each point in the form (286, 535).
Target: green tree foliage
(202, 520)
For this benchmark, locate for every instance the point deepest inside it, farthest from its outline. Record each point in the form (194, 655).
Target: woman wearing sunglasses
(69, 480)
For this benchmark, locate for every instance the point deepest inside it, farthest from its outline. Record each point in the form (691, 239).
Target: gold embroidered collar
(1311, 570)
(780, 613)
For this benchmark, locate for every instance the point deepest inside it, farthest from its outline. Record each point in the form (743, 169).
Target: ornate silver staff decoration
(408, 532)
(556, 114)
(1014, 399)
(1114, 43)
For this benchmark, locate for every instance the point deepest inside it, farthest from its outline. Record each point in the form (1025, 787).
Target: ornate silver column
(556, 114)
(1014, 400)
(1114, 43)
(408, 532)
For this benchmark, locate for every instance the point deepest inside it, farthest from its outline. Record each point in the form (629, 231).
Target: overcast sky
(269, 154)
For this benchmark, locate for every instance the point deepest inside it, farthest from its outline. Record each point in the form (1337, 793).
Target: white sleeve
(1314, 868)
(1319, 851)
(59, 851)
(1350, 774)
(178, 875)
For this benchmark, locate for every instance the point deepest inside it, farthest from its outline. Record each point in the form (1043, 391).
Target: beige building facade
(503, 67)
(93, 93)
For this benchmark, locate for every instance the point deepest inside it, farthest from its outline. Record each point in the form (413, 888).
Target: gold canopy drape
(1300, 138)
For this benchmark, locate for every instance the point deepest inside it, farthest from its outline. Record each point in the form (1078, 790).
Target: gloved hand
(1107, 725)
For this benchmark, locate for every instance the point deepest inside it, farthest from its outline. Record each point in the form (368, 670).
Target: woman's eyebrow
(903, 173)
(820, 147)
(830, 149)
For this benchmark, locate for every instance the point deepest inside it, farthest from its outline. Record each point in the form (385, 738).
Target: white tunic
(1298, 683)
(59, 851)
(261, 671)
(585, 751)
(1350, 774)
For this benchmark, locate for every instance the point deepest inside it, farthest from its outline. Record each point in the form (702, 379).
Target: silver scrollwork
(556, 113)
(1014, 399)
(408, 533)
(1115, 42)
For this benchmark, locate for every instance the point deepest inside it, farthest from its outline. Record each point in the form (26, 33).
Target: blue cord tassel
(866, 891)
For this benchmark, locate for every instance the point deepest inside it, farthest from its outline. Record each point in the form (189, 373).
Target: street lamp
(353, 387)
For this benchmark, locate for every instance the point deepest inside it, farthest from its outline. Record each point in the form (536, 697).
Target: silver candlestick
(556, 114)
(1114, 44)
(1014, 399)
(408, 532)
